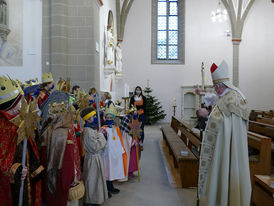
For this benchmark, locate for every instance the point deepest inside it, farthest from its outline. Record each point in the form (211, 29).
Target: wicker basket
(76, 192)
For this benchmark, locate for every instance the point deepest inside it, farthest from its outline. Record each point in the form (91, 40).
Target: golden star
(27, 120)
(82, 102)
(135, 127)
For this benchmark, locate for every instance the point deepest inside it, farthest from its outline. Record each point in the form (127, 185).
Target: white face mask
(138, 92)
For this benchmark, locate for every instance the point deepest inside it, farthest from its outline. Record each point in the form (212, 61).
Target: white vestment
(224, 176)
(113, 159)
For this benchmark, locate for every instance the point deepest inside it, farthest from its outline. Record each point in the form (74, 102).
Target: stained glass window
(167, 29)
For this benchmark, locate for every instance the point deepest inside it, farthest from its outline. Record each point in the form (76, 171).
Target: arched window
(168, 32)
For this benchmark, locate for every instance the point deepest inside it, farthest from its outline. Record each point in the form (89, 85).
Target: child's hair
(86, 111)
(92, 90)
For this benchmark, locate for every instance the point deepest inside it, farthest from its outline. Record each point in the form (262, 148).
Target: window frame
(181, 35)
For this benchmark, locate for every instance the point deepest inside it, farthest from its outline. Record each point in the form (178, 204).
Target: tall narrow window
(167, 31)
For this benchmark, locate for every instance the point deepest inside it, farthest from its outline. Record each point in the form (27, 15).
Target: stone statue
(119, 63)
(3, 12)
(109, 46)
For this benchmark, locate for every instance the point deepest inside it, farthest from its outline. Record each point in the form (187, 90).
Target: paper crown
(18, 86)
(31, 82)
(57, 109)
(219, 73)
(8, 90)
(63, 85)
(111, 110)
(47, 78)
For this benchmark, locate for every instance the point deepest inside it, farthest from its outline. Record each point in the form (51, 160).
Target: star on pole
(27, 120)
(135, 127)
(83, 101)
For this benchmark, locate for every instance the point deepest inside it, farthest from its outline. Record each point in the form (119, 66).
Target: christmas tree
(154, 111)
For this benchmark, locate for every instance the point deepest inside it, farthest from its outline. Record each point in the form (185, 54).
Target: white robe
(224, 175)
(228, 182)
(93, 171)
(113, 159)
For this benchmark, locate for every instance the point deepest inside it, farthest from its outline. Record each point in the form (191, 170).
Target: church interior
(171, 50)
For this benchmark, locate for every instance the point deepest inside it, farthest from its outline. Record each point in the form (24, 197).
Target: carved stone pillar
(4, 30)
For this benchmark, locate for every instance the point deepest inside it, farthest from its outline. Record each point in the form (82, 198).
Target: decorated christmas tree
(154, 111)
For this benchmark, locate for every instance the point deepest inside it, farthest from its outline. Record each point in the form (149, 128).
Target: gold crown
(19, 82)
(63, 85)
(8, 90)
(111, 110)
(47, 78)
(57, 109)
(31, 82)
(18, 86)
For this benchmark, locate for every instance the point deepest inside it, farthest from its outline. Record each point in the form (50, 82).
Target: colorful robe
(61, 159)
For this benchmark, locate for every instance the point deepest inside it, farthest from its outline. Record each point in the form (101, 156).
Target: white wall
(205, 41)
(257, 56)
(32, 43)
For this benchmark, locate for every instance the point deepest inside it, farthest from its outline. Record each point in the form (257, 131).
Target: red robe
(8, 138)
(10, 162)
(66, 175)
(42, 98)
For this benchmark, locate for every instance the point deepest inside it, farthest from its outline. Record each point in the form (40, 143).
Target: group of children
(69, 158)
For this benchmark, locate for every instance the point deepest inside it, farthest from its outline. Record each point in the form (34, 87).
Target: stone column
(70, 32)
(235, 75)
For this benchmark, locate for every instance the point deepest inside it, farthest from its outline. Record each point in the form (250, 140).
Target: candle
(174, 102)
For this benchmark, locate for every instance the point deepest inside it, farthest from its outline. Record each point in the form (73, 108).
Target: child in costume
(115, 156)
(93, 171)
(129, 141)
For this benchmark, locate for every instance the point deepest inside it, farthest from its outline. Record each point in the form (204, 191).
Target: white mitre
(220, 74)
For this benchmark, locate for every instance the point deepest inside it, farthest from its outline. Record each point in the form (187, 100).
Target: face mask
(109, 123)
(93, 124)
(135, 116)
(91, 102)
(138, 92)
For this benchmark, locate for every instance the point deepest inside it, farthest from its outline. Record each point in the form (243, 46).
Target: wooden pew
(261, 128)
(187, 164)
(190, 142)
(265, 120)
(260, 164)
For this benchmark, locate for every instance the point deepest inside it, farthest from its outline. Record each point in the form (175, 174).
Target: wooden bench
(261, 128)
(263, 194)
(265, 120)
(261, 163)
(257, 113)
(187, 164)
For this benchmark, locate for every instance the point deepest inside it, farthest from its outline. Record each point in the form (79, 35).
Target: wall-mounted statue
(119, 63)
(109, 47)
(4, 30)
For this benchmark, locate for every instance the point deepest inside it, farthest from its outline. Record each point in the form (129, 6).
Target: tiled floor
(154, 188)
